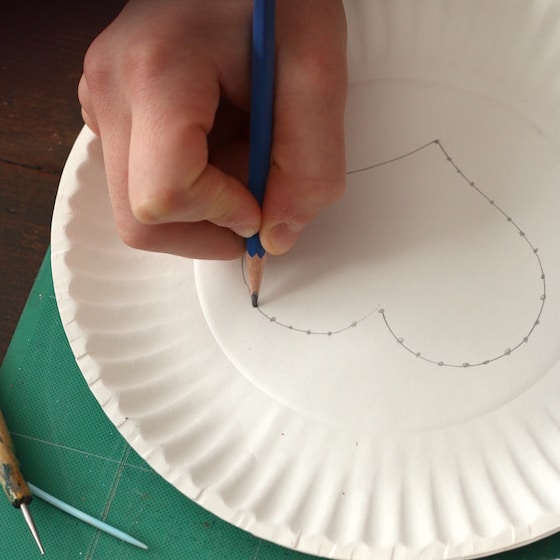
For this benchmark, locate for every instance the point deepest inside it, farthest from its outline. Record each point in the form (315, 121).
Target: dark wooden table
(41, 52)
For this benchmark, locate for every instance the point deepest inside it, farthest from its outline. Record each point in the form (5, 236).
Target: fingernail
(245, 230)
(283, 236)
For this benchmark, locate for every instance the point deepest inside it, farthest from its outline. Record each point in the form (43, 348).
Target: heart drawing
(384, 313)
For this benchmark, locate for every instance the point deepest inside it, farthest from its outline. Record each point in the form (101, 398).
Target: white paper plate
(397, 394)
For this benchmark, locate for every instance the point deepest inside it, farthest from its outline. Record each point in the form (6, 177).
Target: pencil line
(80, 451)
(542, 295)
(116, 482)
(258, 550)
(110, 498)
(392, 160)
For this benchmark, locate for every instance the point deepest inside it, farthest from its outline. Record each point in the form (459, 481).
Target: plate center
(423, 295)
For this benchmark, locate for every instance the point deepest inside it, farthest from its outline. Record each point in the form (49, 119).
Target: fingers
(166, 195)
(200, 240)
(176, 156)
(170, 178)
(308, 169)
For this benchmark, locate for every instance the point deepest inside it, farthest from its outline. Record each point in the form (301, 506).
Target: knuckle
(134, 235)
(147, 211)
(97, 70)
(155, 208)
(220, 200)
(143, 61)
(184, 200)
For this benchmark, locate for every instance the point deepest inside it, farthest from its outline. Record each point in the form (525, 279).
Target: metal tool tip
(31, 525)
(255, 299)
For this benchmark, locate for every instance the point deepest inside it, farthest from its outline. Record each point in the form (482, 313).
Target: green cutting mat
(69, 448)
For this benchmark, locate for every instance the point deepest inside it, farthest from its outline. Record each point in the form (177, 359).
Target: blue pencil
(260, 131)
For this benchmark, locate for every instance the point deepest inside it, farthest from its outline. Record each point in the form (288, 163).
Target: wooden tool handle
(11, 479)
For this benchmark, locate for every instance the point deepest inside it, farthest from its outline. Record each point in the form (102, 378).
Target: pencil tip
(255, 299)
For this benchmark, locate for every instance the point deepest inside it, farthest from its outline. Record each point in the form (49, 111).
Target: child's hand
(166, 87)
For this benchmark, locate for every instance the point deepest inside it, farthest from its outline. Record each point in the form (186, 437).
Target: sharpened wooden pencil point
(255, 271)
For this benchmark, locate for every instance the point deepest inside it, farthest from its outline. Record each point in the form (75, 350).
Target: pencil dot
(308, 332)
(354, 323)
(491, 202)
(273, 319)
(381, 311)
(418, 354)
(525, 339)
(508, 351)
(522, 233)
(472, 184)
(543, 297)
(536, 250)
(400, 340)
(466, 364)
(485, 362)
(329, 333)
(440, 363)
(509, 219)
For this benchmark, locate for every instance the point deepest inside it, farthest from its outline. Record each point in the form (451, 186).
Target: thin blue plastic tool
(86, 518)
